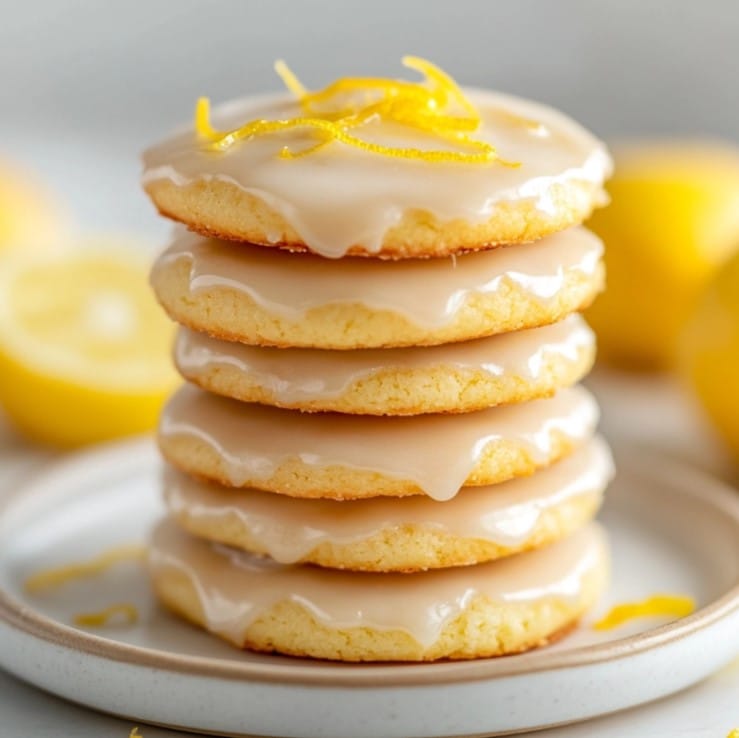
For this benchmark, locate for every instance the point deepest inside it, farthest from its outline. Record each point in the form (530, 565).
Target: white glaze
(289, 529)
(437, 452)
(235, 588)
(429, 293)
(340, 196)
(295, 375)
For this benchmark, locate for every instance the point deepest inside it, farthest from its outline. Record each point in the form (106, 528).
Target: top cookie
(379, 168)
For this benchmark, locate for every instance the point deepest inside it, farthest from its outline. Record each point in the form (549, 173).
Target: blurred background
(87, 85)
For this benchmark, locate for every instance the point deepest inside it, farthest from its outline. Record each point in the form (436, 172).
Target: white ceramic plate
(673, 530)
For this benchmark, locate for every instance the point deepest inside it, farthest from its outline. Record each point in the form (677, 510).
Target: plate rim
(686, 477)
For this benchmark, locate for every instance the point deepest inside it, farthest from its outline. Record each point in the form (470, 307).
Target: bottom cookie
(492, 609)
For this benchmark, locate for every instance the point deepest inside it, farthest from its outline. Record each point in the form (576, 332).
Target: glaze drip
(290, 285)
(295, 375)
(289, 529)
(437, 452)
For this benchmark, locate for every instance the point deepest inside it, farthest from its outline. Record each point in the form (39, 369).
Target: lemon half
(84, 348)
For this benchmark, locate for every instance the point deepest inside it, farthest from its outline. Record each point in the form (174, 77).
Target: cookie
(266, 297)
(341, 200)
(408, 534)
(492, 609)
(329, 455)
(461, 377)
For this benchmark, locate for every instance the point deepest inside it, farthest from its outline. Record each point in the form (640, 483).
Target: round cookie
(266, 297)
(341, 200)
(461, 377)
(470, 612)
(407, 534)
(333, 456)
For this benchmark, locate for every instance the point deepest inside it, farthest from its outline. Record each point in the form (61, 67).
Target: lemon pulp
(83, 346)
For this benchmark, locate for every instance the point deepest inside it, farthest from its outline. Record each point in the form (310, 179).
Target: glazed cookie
(492, 609)
(408, 534)
(267, 297)
(547, 175)
(328, 455)
(509, 368)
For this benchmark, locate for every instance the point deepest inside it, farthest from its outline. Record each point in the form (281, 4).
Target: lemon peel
(70, 572)
(289, 79)
(677, 606)
(102, 617)
(334, 113)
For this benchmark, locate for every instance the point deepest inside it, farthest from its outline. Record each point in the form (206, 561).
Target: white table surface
(651, 412)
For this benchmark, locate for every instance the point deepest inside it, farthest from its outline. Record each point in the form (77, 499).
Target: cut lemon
(84, 348)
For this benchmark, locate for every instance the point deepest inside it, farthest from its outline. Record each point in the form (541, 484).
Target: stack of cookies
(381, 452)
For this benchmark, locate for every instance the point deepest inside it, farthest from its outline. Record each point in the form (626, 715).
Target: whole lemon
(673, 219)
(30, 216)
(709, 351)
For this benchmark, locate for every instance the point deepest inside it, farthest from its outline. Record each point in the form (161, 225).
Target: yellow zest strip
(135, 733)
(100, 619)
(289, 79)
(677, 606)
(442, 79)
(351, 102)
(338, 133)
(56, 577)
(734, 733)
(202, 119)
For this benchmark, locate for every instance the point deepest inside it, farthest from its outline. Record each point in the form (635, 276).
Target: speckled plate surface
(673, 529)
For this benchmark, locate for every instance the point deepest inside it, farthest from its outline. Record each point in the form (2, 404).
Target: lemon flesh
(84, 348)
(673, 219)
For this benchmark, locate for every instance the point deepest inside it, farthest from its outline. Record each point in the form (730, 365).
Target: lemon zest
(443, 80)
(677, 606)
(70, 572)
(202, 118)
(734, 733)
(103, 617)
(348, 103)
(135, 733)
(289, 79)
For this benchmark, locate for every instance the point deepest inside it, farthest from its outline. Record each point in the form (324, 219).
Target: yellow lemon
(709, 351)
(30, 216)
(84, 349)
(673, 218)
